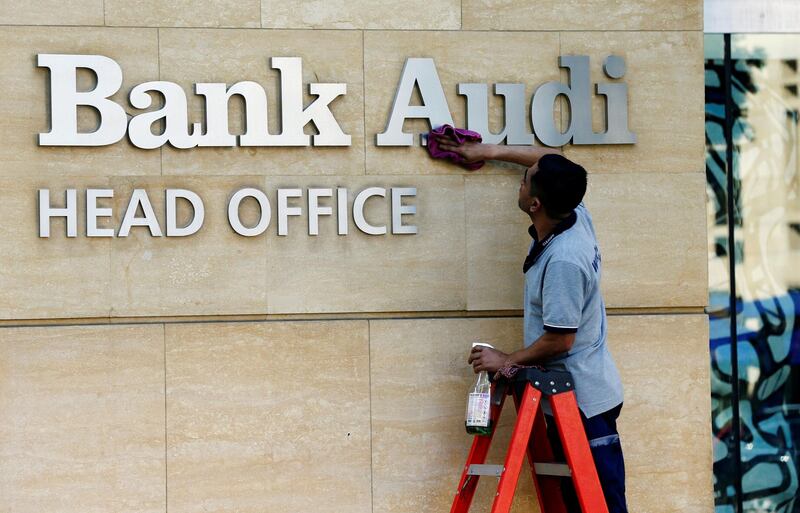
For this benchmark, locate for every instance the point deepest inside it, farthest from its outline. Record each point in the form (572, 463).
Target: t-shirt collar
(539, 246)
(563, 225)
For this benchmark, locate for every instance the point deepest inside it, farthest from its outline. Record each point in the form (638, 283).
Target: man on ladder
(564, 314)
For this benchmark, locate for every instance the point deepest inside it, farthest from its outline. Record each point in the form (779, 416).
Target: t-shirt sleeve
(564, 289)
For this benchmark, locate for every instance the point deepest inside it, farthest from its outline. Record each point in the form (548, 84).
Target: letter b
(65, 99)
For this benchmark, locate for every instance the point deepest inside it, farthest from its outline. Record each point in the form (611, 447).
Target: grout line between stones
(267, 295)
(364, 93)
(331, 316)
(166, 461)
(562, 111)
(158, 56)
(466, 241)
(369, 382)
(352, 30)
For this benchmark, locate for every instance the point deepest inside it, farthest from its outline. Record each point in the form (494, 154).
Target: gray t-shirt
(562, 294)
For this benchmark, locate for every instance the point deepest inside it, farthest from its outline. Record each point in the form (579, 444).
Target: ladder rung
(485, 470)
(552, 469)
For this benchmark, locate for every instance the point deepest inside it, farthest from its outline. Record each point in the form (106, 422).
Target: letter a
(421, 72)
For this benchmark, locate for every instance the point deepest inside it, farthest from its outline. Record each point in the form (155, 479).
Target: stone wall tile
(460, 57)
(650, 228)
(57, 276)
(268, 417)
(212, 272)
(51, 12)
(184, 13)
(497, 242)
(666, 84)
(380, 14)
(82, 419)
(584, 15)
(25, 108)
(420, 379)
(230, 56)
(653, 238)
(663, 360)
(372, 273)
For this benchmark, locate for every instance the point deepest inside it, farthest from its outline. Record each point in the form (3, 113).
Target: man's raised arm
(473, 151)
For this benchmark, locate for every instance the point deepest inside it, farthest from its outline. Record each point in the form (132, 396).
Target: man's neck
(544, 226)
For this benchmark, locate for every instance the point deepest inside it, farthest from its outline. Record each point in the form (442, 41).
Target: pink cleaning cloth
(510, 370)
(461, 135)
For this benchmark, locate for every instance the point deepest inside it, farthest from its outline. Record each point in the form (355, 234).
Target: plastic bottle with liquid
(479, 404)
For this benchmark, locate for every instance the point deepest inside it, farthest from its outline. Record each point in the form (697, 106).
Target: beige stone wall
(219, 373)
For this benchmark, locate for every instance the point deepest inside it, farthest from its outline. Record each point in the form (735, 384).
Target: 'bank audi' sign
(417, 72)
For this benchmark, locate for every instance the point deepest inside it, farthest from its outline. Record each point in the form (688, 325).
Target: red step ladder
(528, 387)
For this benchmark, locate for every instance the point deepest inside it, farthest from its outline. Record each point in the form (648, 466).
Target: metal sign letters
(290, 204)
(176, 129)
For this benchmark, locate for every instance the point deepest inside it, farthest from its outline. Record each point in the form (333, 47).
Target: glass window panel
(718, 272)
(766, 220)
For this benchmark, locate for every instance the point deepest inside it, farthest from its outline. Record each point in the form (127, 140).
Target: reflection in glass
(766, 221)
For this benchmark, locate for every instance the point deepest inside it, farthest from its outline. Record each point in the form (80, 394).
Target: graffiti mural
(766, 253)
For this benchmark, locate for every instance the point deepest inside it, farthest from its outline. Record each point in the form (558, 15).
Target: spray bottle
(478, 421)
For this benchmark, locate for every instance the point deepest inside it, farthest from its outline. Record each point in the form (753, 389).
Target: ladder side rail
(477, 455)
(548, 488)
(517, 449)
(578, 454)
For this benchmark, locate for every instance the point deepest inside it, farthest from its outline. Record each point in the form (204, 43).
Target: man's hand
(485, 358)
(469, 150)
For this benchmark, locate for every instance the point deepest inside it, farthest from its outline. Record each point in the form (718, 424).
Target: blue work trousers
(601, 430)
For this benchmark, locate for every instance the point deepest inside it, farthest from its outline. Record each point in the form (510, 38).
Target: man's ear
(536, 205)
